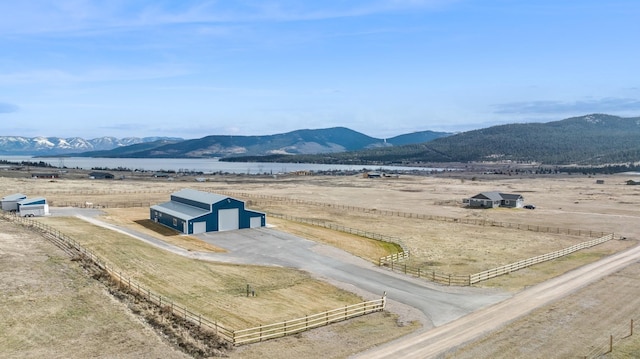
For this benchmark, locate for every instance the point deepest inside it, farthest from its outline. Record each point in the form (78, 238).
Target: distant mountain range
(52, 146)
(595, 139)
(319, 141)
(586, 140)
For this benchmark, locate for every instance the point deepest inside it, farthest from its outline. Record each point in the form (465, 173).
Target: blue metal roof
(199, 196)
(180, 210)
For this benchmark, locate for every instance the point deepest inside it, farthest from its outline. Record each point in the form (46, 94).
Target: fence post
(610, 343)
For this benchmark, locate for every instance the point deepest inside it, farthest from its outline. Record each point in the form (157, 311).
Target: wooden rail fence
(265, 332)
(394, 262)
(236, 337)
(276, 199)
(491, 273)
(339, 228)
(383, 212)
(393, 258)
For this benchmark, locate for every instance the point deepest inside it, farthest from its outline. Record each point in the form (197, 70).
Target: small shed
(101, 175)
(32, 207)
(10, 202)
(495, 199)
(192, 212)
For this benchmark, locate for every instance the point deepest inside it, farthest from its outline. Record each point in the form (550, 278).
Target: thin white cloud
(65, 16)
(96, 74)
(608, 104)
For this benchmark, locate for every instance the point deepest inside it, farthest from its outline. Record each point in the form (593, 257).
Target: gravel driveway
(432, 304)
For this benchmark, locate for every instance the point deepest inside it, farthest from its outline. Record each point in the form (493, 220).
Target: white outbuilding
(10, 202)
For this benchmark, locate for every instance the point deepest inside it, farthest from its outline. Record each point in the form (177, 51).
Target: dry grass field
(216, 290)
(577, 326)
(51, 309)
(567, 202)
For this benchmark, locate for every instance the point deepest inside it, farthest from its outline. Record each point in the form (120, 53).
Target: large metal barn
(191, 212)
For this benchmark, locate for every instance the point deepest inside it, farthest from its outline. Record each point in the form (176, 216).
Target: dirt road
(438, 340)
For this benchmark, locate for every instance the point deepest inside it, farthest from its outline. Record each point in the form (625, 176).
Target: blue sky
(382, 67)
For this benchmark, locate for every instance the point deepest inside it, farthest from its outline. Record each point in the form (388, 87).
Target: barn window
(175, 222)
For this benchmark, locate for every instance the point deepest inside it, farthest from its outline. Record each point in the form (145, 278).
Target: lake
(205, 165)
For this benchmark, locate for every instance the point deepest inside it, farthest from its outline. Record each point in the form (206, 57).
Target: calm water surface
(200, 165)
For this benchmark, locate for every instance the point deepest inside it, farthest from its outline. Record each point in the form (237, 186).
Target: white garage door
(228, 219)
(199, 227)
(255, 222)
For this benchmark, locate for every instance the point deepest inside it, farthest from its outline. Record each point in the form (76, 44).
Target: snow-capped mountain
(52, 146)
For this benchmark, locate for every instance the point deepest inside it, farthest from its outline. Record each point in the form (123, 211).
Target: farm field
(217, 290)
(565, 202)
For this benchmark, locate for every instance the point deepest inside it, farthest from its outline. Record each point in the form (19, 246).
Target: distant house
(101, 175)
(45, 175)
(372, 175)
(495, 199)
(161, 175)
(10, 202)
(633, 183)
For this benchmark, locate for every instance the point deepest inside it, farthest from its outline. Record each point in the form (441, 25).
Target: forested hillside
(586, 140)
